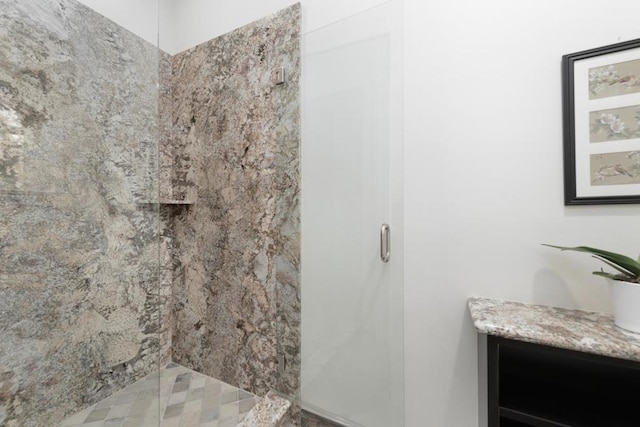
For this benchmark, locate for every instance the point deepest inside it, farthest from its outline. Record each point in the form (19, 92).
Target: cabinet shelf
(524, 419)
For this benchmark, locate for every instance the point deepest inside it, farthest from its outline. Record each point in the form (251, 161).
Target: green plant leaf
(607, 275)
(624, 271)
(629, 264)
(617, 277)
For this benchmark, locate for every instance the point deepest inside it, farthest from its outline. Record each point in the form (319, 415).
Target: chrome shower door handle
(385, 243)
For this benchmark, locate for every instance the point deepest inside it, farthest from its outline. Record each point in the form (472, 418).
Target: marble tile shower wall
(79, 300)
(237, 252)
(84, 305)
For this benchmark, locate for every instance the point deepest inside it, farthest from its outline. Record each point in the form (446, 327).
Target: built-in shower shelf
(177, 202)
(167, 202)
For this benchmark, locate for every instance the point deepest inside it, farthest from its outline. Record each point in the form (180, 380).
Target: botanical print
(615, 124)
(615, 168)
(615, 79)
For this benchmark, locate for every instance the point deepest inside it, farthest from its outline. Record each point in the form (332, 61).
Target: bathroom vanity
(545, 366)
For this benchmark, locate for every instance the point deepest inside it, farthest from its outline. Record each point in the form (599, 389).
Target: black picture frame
(582, 188)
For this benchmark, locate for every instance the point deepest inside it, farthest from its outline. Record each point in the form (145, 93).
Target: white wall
(141, 17)
(483, 180)
(196, 21)
(183, 24)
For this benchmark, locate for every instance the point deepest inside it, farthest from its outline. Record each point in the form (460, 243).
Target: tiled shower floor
(185, 399)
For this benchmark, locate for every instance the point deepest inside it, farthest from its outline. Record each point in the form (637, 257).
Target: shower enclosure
(218, 209)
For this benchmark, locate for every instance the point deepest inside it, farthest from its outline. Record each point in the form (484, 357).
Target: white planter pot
(626, 304)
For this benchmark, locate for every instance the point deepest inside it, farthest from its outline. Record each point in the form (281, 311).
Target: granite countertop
(585, 331)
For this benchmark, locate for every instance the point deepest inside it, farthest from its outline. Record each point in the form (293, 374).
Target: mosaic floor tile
(173, 397)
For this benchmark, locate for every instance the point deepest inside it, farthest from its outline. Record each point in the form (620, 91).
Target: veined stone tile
(236, 292)
(79, 290)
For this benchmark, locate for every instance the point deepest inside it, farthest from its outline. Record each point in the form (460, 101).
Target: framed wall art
(601, 112)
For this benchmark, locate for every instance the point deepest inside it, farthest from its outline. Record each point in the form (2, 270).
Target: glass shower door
(351, 297)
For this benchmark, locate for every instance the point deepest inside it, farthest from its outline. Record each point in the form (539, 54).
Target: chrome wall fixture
(281, 76)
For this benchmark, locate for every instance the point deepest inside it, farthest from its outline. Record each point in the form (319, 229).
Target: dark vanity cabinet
(537, 385)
